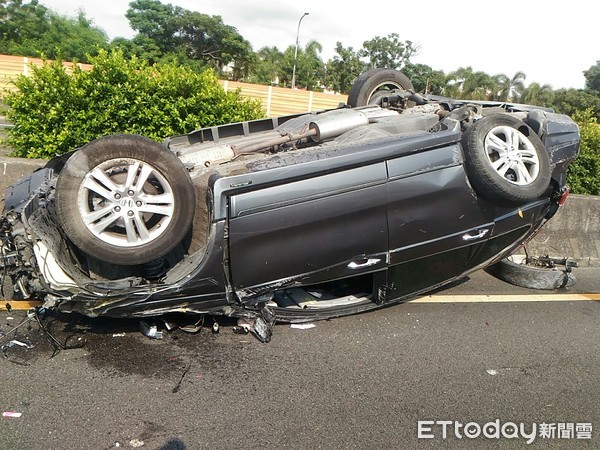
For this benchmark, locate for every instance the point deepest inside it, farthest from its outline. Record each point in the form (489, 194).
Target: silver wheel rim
(125, 202)
(512, 155)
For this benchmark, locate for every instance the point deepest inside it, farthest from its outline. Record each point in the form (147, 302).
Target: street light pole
(296, 51)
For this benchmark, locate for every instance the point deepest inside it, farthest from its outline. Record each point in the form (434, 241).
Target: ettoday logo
(432, 429)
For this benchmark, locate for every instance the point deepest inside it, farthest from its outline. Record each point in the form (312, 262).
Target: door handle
(362, 263)
(479, 235)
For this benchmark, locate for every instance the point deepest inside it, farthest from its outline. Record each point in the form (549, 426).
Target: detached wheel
(373, 81)
(506, 161)
(513, 270)
(125, 199)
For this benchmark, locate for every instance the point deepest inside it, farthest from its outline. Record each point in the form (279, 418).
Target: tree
(33, 30)
(171, 29)
(21, 25)
(536, 94)
(592, 78)
(309, 66)
(72, 39)
(388, 52)
(343, 69)
(425, 79)
(157, 22)
(509, 89)
(570, 101)
(267, 66)
(468, 84)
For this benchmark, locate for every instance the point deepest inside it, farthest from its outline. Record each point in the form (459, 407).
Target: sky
(552, 43)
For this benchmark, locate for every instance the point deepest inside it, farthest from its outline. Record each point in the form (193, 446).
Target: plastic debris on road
(150, 330)
(302, 326)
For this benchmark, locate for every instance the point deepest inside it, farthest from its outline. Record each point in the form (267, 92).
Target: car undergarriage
(293, 218)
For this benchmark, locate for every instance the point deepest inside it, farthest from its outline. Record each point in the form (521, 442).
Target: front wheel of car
(125, 199)
(506, 161)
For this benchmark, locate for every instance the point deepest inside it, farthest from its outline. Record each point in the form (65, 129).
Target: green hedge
(584, 173)
(54, 112)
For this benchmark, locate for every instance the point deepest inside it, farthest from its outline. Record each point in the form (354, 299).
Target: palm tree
(309, 65)
(536, 94)
(467, 84)
(510, 89)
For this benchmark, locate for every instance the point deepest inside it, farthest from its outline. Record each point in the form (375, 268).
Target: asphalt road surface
(364, 381)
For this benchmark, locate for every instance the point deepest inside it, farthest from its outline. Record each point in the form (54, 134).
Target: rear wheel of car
(506, 161)
(373, 81)
(125, 199)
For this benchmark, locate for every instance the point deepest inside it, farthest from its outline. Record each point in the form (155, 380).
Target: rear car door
(315, 229)
(436, 222)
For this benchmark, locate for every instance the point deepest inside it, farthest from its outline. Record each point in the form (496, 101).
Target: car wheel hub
(512, 155)
(125, 202)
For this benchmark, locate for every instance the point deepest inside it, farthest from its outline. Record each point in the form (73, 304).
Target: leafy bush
(584, 173)
(54, 112)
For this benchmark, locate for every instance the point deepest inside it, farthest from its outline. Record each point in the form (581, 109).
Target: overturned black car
(308, 216)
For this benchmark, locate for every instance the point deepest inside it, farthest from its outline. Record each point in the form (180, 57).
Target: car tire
(514, 271)
(506, 161)
(124, 199)
(374, 80)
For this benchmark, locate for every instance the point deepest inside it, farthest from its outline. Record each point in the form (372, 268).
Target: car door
(436, 222)
(315, 229)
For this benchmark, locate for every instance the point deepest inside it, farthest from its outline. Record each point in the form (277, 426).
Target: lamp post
(296, 51)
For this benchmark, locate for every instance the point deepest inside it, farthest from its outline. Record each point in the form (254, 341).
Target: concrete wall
(11, 169)
(573, 232)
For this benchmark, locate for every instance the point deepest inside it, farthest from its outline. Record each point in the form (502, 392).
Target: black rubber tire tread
(368, 81)
(530, 276)
(485, 180)
(124, 146)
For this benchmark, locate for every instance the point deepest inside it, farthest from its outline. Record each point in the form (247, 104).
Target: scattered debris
(263, 325)
(13, 414)
(150, 330)
(492, 371)
(194, 327)
(118, 335)
(303, 326)
(4, 349)
(244, 326)
(136, 443)
(19, 343)
(170, 326)
(216, 327)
